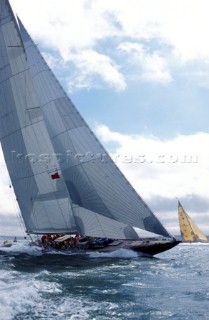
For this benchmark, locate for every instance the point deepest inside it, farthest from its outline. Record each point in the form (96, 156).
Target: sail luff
(185, 228)
(44, 201)
(100, 186)
(22, 132)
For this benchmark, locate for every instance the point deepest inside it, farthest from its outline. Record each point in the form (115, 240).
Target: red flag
(55, 176)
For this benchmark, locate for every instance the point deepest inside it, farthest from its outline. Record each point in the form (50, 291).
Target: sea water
(101, 286)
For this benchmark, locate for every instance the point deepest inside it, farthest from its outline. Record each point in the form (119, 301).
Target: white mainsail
(90, 192)
(44, 202)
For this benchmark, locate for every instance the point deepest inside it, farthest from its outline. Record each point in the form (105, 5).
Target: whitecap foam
(76, 309)
(16, 297)
(120, 253)
(21, 295)
(22, 247)
(194, 244)
(26, 247)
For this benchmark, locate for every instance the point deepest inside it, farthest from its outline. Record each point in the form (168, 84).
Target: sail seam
(20, 129)
(29, 43)
(65, 131)
(14, 75)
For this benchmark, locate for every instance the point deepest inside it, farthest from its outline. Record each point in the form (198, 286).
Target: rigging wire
(16, 210)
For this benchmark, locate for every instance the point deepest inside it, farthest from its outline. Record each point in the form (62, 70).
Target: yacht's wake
(120, 253)
(27, 248)
(21, 247)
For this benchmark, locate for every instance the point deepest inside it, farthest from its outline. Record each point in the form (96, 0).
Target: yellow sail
(189, 230)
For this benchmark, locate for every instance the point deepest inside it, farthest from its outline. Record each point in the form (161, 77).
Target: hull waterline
(148, 247)
(145, 247)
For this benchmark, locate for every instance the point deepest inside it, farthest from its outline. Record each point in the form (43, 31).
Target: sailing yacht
(189, 230)
(64, 180)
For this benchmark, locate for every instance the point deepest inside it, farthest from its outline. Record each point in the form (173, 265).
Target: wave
(27, 248)
(120, 253)
(21, 247)
(194, 244)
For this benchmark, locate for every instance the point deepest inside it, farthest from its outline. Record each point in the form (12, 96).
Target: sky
(138, 72)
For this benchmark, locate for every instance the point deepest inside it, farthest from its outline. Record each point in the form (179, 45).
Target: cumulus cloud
(77, 28)
(10, 222)
(6, 194)
(168, 168)
(163, 170)
(152, 67)
(92, 65)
